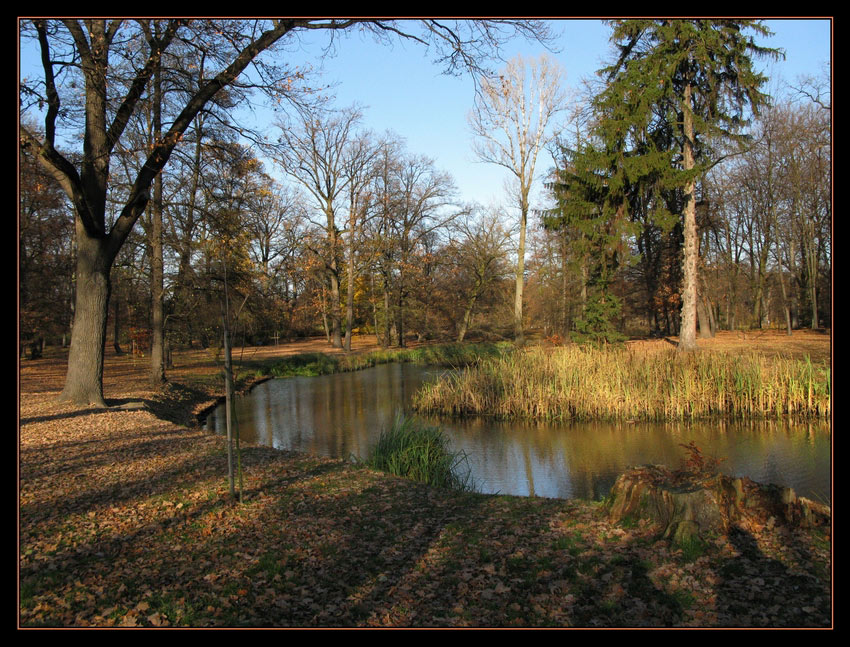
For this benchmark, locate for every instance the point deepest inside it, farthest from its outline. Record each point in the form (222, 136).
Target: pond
(342, 415)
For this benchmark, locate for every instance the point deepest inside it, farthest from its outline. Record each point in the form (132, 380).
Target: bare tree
(82, 98)
(510, 119)
(477, 253)
(86, 45)
(313, 152)
(359, 169)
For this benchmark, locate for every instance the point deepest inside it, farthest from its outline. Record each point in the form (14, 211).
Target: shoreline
(125, 521)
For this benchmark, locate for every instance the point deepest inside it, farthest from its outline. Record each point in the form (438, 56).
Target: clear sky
(402, 90)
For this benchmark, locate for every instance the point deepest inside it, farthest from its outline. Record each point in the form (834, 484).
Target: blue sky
(402, 90)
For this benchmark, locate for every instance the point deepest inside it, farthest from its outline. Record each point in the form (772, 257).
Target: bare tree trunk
(786, 305)
(812, 266)
(520, 275)
(325, 315)
(702, 316)
(399, 320)
(687, 331)
(349, 297)
(465, 320)
(712, 320)
(157, 376)
(116, 324)
(564, 323)
(387, 315)
(84, 378)
(374, 301)
(705, 313)
(583, 282)
(336, 319)
(228, 399)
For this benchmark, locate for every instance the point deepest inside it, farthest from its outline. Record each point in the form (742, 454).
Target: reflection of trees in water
(343, 414)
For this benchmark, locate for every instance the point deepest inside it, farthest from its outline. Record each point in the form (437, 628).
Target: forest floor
(125, 520)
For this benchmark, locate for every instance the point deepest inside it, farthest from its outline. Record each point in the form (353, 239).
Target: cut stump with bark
(686, 505)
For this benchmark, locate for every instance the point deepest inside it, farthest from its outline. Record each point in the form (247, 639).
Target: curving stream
(342, 415)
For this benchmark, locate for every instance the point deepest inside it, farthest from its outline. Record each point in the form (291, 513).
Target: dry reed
(582, 383)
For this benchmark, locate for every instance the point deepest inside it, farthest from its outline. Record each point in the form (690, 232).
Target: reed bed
(581, 383)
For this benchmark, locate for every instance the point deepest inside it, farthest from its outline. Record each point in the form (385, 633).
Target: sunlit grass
(618, 384)
(314, 364)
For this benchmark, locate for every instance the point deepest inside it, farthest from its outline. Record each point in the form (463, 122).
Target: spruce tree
(593, 198)
(678, 88)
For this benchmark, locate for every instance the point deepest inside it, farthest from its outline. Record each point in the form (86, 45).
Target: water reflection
(342, 415)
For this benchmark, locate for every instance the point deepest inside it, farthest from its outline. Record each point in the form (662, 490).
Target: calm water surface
(342, 415)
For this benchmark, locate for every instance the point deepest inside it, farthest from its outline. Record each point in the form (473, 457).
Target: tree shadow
(172, 404)
(759, 591)
(67, 415)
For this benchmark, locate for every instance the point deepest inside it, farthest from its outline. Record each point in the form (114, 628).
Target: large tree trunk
(88, 188)
(84, 378)
(157, 376)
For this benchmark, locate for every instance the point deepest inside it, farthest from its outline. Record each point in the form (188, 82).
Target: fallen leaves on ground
(126, 521)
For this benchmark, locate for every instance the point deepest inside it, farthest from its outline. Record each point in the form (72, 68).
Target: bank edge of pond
(466, 560)
(250, 373)
(490, 358)
(322, 543)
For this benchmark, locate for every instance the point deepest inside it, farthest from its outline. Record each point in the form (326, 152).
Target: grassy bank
(581, 383)
(318, 363)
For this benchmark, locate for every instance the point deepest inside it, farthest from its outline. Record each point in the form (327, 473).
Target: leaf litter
(126, 521)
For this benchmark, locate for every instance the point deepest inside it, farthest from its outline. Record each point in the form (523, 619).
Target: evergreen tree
(593, 197)
(677, 87)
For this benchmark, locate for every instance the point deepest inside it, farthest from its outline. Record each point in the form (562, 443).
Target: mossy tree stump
(686, 505)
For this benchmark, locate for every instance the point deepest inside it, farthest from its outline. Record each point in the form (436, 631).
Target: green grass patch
(315, 364)
(416, 451)
(692, 548)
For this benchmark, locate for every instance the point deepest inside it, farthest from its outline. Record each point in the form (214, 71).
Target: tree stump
(686, 505)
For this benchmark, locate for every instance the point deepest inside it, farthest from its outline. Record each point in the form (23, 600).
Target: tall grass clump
(416, 451)
(583, 383)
